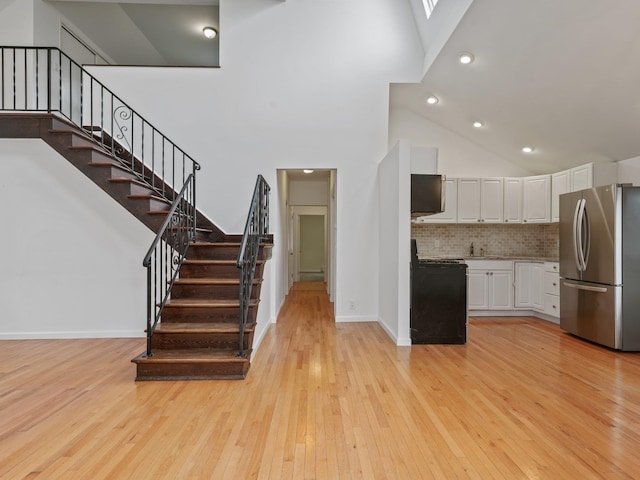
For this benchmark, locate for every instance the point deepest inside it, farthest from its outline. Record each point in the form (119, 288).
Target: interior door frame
(294, 238)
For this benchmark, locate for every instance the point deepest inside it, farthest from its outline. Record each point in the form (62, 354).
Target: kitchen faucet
(471, 249)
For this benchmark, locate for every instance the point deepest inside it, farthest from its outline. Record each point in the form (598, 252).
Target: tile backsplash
(495, 239)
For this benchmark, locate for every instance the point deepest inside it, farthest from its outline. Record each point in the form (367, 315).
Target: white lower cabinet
(529, 280)
(551, 289)
(537, 287)
(490, 285)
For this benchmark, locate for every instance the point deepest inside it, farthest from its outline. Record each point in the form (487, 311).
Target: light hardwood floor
(328, 401)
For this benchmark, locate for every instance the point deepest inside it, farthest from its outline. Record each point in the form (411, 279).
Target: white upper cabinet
(513, 200)
(579, 178)
(593, 175)
(536, 199)
(480, 200)
(492, 200)
(560, 183)
(450, 214)
(517, 199)
(468, 200)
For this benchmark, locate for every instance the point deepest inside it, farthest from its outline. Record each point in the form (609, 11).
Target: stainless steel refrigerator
(600, 265)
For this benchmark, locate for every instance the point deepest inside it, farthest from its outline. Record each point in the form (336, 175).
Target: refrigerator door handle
(580, 224)
(587, 229)
(576, 235)
(585, 287)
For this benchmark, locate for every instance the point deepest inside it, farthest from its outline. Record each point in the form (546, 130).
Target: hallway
(328, 401)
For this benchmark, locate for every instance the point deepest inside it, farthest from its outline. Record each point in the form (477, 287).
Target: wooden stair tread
(194, 355)
(108, 164)
(216, 244)
(223, 244)
(72, 130)
(149, 196)
(194, 261)
(205, 302)
(213, 327)
(130, 180)
(211, 281)
(86, 147)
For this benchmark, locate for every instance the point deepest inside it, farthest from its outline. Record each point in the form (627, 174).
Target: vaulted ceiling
(561, 76)
(144, 32)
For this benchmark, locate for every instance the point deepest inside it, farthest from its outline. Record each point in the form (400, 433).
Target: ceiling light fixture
(527, 149)
(466, 58)
(307, 170)
(209, 32)
(432, 100)
(478, 124)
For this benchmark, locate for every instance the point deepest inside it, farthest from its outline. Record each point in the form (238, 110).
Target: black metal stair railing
(166, 254)
(44, 79)
(255, 230)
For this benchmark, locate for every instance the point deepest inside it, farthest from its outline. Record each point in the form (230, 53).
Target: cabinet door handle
(554, 284)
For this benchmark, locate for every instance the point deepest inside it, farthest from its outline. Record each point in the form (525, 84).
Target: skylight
(429, 5)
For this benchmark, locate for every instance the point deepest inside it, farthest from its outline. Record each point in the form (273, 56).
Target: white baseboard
(399, 341)
(71, 335)
(354, 318)
(514, 313)
(258, 340)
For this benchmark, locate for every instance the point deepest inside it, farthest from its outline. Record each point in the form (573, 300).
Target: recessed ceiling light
(307, 170)
(432, 100)
(465, 58)
(478, 124)
(210, 32)
(527, 149)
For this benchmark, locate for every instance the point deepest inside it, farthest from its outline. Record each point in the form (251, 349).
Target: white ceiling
(561, 75)
(144, 32)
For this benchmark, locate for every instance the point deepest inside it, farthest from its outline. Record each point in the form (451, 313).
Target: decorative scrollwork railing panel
(44, 79)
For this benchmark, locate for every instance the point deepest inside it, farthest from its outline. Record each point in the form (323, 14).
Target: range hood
(427, 194)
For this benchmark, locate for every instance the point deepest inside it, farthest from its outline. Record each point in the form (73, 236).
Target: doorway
(309, 243)
(308, 197)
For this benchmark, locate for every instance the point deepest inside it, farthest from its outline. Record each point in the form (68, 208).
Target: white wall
(16, 22)
(280, 192)
(435, 31)
(457, 156)
(309, 192)
(629, 171)
(73, 256)
(301, 83)
(394, 186)
(424, 160)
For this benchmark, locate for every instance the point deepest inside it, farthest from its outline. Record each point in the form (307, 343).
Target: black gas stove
(438, 299)
(443, 261)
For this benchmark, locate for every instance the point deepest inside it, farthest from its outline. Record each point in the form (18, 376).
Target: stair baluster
(255, 230)
(166, 254)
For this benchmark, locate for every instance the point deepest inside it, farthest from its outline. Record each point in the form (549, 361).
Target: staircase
(203, 300)
(199, 333)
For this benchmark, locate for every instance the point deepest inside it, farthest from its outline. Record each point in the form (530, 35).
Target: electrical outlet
(352, 304)
(437, 243)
